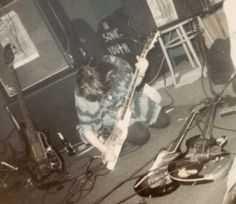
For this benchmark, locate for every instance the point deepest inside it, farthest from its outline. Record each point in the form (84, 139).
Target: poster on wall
(13, 31)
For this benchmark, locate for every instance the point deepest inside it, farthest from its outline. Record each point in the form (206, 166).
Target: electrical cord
(59, 181)
(79, 188)
(123, 182)
(202, 49)
(221, 128)
(172, 100)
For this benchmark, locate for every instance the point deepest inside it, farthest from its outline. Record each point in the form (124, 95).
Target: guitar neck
(184, 130)
(130, 94)
(147, 47)
(208, 128)
(24, 109)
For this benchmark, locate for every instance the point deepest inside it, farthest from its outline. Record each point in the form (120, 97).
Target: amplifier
(211, 5)
(220, 65)
(151, 14)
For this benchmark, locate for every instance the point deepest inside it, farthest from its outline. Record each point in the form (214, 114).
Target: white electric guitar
(120, 130)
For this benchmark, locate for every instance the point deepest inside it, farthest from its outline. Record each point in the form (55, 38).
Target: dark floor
(86, 181)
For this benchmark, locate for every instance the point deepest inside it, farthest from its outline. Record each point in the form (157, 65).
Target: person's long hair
(94, 80)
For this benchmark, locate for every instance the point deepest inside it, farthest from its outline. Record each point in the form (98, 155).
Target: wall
(90, 10)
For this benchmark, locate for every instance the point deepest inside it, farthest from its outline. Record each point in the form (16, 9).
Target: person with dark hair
(100, 92)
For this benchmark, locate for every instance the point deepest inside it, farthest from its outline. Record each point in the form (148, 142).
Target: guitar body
(203, 156)
(118, 137)
(202, 148)
(42, 158)
(157, 182)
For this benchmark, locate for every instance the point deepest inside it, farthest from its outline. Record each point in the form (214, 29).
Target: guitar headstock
(150, 42)
(153, 38)
(9, 53)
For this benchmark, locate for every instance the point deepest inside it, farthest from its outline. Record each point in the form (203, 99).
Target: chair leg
(185, 47)
(168, 60)
(190, 46)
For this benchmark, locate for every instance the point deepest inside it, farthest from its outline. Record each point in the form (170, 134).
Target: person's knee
(163, 120)
(138, 134)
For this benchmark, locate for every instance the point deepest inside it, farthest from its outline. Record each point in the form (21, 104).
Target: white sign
(13, 31)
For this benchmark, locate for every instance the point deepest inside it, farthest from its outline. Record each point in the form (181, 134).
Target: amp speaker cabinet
(52, 108)
(151, 14)
(39, 56)
(211, 5)
(220, 65)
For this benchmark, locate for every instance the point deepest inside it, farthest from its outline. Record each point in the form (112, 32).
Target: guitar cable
(123, 182)
(75, 180)
(75, 192)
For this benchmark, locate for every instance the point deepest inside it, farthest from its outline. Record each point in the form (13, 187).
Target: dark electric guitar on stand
(205, 160)
(157, 182)
(120, 130)
(42, 159)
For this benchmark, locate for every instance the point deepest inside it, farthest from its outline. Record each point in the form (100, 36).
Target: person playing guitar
(105, 96)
